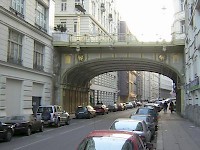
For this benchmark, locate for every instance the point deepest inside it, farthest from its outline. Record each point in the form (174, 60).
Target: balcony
(79, 6)
(13, 60)
(61, 37)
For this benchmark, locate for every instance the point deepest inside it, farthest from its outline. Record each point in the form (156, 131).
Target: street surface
(63, 138)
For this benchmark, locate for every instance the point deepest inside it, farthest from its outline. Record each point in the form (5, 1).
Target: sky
(147, 19)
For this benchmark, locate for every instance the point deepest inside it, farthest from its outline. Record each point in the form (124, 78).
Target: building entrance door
(36, 102)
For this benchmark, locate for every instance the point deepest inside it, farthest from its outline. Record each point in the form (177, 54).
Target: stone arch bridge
(78, 59)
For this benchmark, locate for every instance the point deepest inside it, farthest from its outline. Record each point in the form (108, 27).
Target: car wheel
(42, 128)
(8, 136)
(68, 121)
(28, 131)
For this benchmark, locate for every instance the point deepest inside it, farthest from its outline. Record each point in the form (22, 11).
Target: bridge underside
(82, 73)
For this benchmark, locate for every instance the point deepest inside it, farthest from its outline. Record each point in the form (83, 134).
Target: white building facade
(156, 86)
(178, 27)
(92, 18)
(26, 55)
(192, 60)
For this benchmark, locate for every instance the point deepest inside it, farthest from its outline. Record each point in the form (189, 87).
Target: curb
(159, 143)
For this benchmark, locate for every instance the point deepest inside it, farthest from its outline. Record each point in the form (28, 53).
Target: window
(93, 29)
(63, 5)
(15, 47)
(182, 26)
(40, 15)
(18, 5)
(63, 23)
(38, 56)
(93, 8)
(182, 5)
(75, 26)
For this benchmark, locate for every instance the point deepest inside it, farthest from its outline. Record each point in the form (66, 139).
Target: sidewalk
(177, 133)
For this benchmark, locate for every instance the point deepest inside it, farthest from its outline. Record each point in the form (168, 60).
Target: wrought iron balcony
(79, 5)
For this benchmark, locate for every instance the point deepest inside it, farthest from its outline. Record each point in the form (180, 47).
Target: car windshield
(107, 143)
(45, 109)
(125, 125)
(81, 109)
(142, 111)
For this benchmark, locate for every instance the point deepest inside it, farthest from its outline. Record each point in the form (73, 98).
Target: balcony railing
(64, 37)
(114, 39)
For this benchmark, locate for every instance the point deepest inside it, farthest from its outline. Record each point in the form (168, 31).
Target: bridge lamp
(164, 48)
(78, 48)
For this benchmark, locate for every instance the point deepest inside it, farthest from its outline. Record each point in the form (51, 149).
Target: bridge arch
(77, 77)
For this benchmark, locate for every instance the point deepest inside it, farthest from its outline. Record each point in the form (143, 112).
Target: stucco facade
(192, 60)
(26, 55)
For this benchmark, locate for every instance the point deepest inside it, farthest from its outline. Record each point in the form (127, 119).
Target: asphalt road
(65, 137)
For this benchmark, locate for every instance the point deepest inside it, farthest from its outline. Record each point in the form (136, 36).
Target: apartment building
(26, 55)
(156, 86)
(178, 27)
(192, 60)
(91, 18)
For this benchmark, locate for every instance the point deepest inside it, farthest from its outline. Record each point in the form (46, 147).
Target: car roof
(145, 108)
(141, 115)
(127, 119)
(111, 133)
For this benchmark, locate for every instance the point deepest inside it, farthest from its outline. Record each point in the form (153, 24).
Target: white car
(129, 105)
(53, 115)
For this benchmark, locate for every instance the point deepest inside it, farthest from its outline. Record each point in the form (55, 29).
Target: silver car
(137, 126)
(149, 121)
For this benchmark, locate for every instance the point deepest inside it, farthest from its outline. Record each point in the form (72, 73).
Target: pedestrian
(171, 107)
(165, 106)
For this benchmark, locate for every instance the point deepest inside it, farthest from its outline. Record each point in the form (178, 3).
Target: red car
(101, 109)
(112, 140)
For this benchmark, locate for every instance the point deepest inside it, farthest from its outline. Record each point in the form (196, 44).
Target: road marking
(33, 143)
(54, 136)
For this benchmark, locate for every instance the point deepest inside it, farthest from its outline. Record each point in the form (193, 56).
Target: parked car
(159, 104)
(101, 109)
(138, 103)
(113, 108)
(148, 111)
(53, 115)
(137, 126)
(112, 140)
(129, 105)
(6, 131)
(120, 107)
(85, 112)
(24, 123)
(156, 106)
(149, 121)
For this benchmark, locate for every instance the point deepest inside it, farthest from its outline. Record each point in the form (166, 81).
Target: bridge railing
(71, 39)
(65, 37)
